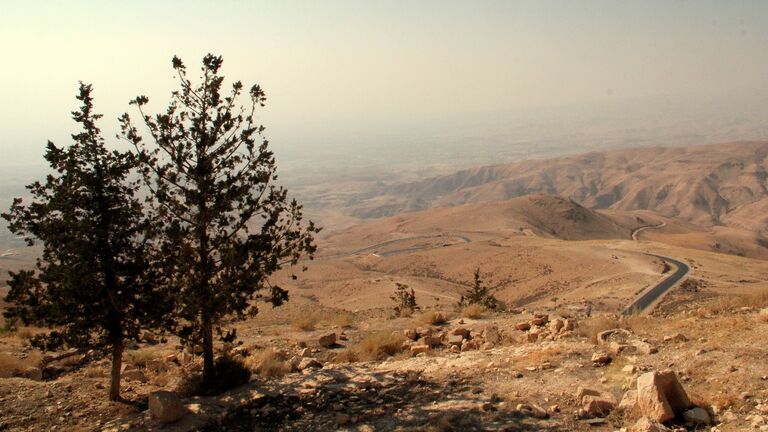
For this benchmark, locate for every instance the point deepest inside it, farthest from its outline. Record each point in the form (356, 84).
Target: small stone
(601, 358)
(523, 326)
(308, 363)
(697, 416)
(419, 349)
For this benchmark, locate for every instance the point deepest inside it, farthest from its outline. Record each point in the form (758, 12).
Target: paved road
(374, 248)
(637, 231)
(642, 303)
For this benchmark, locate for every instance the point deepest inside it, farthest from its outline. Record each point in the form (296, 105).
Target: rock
(539, 412)
(148, 337)
(430, 341)
(328, 340)
(32, 373)
(491, 334)
(601, 358)
(455, 349)
(468, 345)
(556, 325)
(617, 335)
(697, 416)
(584, 391)
(597, 406)
(647, 425)
(411, 334)
(172, 358)
(569, 325)
(455, 340)
(542, 318)
(523, 326)
(461, 331)
(418, 349)
(630, 369)
(629, 401)
(486, 346)
(531, 337)
(677, 337)
(308, 363)
(134, 375)
(305, 352)
(301, 344)
(166, 407)
(342, 419)
(644, 347)
(660, 396)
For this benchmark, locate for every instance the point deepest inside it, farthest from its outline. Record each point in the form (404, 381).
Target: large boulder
(328, 340)
(166, 407)
(660, 396)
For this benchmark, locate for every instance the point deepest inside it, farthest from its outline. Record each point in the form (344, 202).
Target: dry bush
(346, 356)
(433, 318)
(473, 311)
(377, 346)
(638, 324)
(228, 373)
(268, 363)
(764, 315)
(539, 356)
(592, 326)
(344, 320)
(140, 358)
(306, 322)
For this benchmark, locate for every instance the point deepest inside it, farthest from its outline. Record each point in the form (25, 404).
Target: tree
(405, 301)
(94, 286)
(227, 227)
(479, 294)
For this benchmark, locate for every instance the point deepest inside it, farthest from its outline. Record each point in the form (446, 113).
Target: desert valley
(568, 245)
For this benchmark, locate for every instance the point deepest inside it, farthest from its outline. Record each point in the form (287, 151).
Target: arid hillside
(708, 185)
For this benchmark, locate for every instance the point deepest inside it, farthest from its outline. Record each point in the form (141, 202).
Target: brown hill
(709, 185)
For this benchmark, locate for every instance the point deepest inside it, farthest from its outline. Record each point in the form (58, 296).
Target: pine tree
(226, 225)
(479, 294)
(93, 285)
(405, 301)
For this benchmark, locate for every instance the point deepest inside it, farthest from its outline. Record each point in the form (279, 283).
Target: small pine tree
(225, 225)
(94, 285)
(405, 301)
(479, 294)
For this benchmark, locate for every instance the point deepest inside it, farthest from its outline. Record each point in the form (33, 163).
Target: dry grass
(539, 356)
(380, 345)
(306, 322)
(433, 318)
(10, 365)
(344, 320)
(763, 316)
(473, 311)
(728, 304)
(268, 363)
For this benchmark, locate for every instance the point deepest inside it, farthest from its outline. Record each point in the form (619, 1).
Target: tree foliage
(93, 284)
(226, 225)
(479, 294)
(405, 300)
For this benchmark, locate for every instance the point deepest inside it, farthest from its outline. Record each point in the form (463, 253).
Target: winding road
(649, 297)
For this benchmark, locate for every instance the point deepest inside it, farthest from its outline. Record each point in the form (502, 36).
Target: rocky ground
(518, 370)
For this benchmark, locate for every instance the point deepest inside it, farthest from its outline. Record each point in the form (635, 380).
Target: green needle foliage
(94, 285)
(479, 294)
(226, 225)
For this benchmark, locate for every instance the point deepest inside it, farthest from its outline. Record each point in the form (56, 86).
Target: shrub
(592, 326)
(473, 311)
(379, 345)
(346, 356)
(306, 322)
(433, 318)
(268, 363)
(479, 294)
(405, 301)
(140, 358)
(228, 374)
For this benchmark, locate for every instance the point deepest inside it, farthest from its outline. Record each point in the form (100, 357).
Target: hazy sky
(335, 69)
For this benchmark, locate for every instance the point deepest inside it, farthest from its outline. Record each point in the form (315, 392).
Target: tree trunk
(117, 363)
(208, 373)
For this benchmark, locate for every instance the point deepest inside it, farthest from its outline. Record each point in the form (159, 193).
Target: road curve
(649, 297)
(637, 231)
(374, 248)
